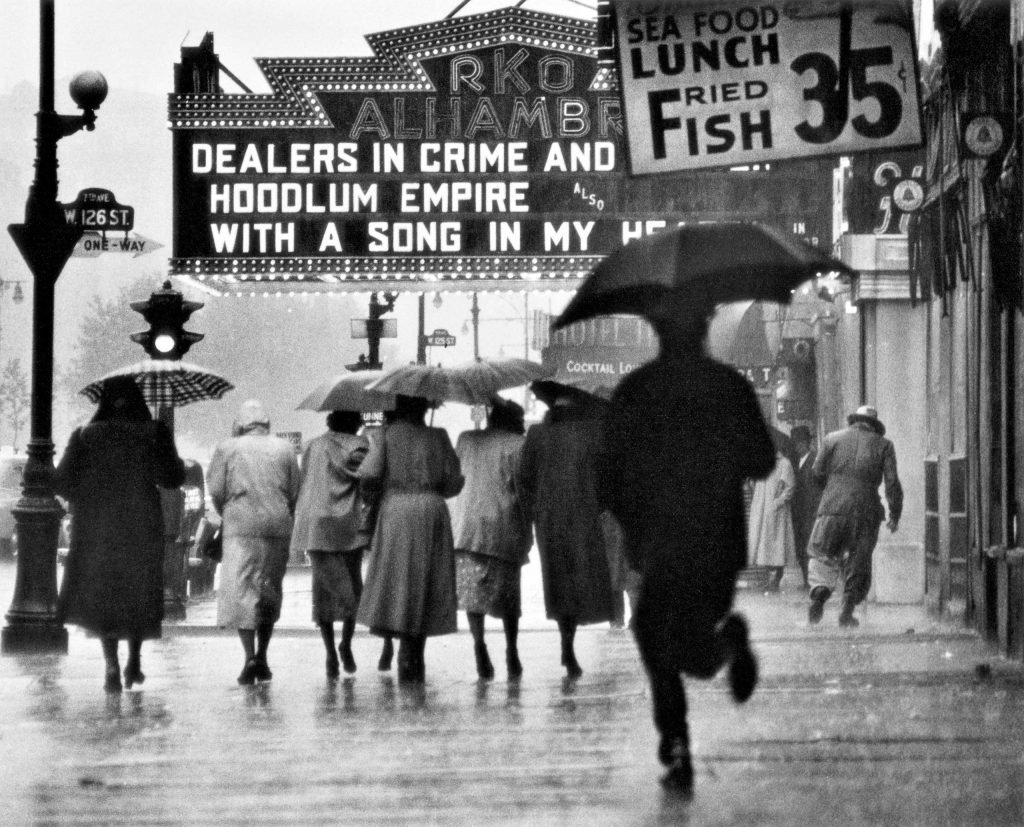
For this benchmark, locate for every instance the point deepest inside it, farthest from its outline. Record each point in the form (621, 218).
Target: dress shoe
(572, 667)
(819, 594)
(674, 753)
(332, 666)
(742, 663)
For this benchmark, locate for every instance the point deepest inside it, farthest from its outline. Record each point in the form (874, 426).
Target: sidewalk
(902, 721)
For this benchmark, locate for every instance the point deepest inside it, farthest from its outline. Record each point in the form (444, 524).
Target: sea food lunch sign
(713, 82)
(479, 151)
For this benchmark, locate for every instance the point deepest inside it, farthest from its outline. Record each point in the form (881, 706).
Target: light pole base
(29, 638)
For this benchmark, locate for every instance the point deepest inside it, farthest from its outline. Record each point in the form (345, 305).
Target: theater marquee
(479, 151)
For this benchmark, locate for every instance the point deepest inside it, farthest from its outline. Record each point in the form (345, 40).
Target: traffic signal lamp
(166, 310)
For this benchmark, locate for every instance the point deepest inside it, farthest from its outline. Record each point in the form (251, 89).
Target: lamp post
(46, 242)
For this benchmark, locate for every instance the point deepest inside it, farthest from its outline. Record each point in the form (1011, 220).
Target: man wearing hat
(852, 464)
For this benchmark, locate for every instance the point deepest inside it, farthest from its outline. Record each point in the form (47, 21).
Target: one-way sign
(93, 244)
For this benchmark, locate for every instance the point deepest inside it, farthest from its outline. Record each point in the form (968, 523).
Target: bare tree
(14, 397)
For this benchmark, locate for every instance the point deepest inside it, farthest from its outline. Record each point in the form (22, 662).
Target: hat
(251, 415)
(868, 415)
(549, 391)
(800, 432)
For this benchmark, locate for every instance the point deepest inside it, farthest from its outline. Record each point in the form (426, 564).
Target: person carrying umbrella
(683, 434)
(410, 581)
(330, 528)
(113, 578)
(558, 484)
(492, 531)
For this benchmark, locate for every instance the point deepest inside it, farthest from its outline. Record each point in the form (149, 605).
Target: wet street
(903, 721)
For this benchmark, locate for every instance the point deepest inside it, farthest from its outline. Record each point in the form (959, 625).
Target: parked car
(12, 468)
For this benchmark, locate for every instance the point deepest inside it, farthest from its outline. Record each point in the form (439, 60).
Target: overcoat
(559, 488)
(806, 496)
(113, 577)
(852, 464)
(329, 515)
(487, 516)
(683, 434)
(770, 540)
(410, 579)
(253, 481)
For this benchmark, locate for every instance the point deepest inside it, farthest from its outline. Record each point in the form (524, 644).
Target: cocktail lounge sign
(484, 148)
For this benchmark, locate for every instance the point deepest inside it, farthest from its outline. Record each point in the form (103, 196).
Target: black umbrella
(714, 263)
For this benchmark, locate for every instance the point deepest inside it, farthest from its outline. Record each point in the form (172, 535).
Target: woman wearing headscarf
(410, 581)
(558, 482)
(492, 531)
(330, 527)
(113, 578)
(253, 481)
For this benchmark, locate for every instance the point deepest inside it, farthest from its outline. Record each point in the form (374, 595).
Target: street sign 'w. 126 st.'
(729, 83)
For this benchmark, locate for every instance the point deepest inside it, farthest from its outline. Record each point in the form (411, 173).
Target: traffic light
(166, 311)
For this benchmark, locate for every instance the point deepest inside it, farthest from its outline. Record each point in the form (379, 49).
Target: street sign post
(730, 83)
(440, 338)
(98, 209)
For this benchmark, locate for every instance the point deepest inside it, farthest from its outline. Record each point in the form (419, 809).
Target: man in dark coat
(806, 495)
(852, 464)
(683, 434)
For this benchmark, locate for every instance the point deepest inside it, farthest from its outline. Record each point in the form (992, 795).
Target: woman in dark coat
(410, 581)
(113, 579)
(557, 479)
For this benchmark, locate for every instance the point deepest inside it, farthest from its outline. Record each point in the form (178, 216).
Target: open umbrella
(723, 262)
(472, 383)
(347, 392)
(167, 382)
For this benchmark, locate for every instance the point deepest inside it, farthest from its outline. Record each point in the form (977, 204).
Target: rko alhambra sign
(483, 150)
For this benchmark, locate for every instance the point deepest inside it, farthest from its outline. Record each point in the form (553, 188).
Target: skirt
(488, 585)
(337, 584)
(251, 579)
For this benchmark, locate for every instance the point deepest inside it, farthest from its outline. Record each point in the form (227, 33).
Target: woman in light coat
(330, 528)
(492, 532)
(253, 481)
(770, 539)
(410, 581)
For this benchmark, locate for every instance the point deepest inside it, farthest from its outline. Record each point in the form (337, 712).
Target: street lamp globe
(88, 89)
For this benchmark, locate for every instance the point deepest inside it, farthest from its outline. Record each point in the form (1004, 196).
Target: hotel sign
(729, 82)
(482, 150)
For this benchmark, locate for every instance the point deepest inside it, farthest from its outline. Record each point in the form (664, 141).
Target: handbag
(207, 543)
(214, 549)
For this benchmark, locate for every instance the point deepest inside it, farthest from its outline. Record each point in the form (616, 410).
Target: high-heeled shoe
(262, 672)
(484, 667)
(572, 666)
(515, 668)
(387, 654)
(348, 662)
(132, 675)
(247, 677)
(112, 680)
(333, 667)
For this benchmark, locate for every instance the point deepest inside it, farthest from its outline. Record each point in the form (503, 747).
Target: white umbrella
(472, 383)
(348, 392)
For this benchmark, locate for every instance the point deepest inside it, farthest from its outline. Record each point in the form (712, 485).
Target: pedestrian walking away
(331, 529)
(806, 495)
(410, 580)
(110, 473)
(253, 481)
(683, 435)
(851, 466)
(770, 526)
(558, 485)
(492, 532)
